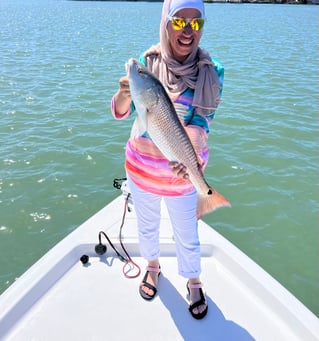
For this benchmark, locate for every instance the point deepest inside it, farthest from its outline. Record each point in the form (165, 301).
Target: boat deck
(59, 298)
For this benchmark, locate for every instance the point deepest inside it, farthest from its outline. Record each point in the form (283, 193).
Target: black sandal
(144, 295)
(202, 301)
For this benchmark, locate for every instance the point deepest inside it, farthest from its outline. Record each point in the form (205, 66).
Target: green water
(60, 62)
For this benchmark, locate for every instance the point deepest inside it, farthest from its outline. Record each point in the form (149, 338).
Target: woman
(194, 84)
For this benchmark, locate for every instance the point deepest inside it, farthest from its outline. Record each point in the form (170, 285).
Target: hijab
(196, 72)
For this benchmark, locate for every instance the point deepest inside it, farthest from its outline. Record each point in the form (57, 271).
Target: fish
(157, 116)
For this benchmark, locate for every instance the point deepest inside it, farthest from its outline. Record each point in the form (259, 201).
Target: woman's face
(184, 42)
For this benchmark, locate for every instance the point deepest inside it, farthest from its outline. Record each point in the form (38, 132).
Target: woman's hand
(124, 89)
(179, 169)
(123, 97)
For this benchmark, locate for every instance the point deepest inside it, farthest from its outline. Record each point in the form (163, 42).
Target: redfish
(156, 115)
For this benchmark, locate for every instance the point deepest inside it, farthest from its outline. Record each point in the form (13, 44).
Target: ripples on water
(61, 149)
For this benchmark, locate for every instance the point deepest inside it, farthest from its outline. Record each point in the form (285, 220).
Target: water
(60, 62)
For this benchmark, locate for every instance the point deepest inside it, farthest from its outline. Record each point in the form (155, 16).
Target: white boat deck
(61, 299)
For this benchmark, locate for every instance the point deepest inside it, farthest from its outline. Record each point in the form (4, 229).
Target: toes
(199, 310)
(195, 311)
(147, 291)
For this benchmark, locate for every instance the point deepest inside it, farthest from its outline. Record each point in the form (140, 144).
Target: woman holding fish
(167, 151)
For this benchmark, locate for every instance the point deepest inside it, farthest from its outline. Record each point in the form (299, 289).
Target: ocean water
(60, 148)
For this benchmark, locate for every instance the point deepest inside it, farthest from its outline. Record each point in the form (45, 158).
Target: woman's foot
(198, 306)
(148, 286)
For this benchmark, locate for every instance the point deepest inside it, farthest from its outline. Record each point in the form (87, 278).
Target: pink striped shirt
(147, 166)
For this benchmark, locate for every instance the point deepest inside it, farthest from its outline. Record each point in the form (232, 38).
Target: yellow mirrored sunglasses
(180, 23)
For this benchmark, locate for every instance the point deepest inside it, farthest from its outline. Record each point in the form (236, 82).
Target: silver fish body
(157, 116)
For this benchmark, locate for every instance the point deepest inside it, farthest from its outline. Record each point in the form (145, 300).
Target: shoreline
(274, 2)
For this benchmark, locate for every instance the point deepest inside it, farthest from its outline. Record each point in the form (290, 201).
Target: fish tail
(210, 202)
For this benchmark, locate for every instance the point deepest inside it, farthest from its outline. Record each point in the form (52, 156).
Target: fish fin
(210, 202)
(141, 121)
(201, 163)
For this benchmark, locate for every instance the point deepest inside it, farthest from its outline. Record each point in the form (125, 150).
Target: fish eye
(139, 70)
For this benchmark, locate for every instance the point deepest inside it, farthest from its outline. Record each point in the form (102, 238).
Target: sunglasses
(180, 23)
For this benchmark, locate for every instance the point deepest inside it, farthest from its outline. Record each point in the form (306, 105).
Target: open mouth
(128, 65)
(184, 42)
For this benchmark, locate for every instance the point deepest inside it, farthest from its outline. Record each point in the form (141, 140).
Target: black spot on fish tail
(210, 192)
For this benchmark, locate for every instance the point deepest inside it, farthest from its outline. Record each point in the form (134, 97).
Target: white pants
(182, 212)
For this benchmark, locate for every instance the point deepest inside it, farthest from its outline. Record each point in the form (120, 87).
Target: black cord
(123, 259)
(127, 260)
